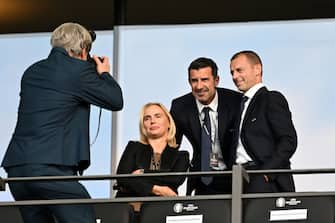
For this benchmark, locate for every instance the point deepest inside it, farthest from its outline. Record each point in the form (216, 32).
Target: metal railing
(239, 174)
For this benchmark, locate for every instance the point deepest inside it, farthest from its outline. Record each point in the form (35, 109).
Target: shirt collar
(252, 91)
(213, 105)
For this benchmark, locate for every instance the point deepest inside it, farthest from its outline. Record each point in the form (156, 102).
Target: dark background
(29, 16)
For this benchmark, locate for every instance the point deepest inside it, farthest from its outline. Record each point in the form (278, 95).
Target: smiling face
(245, 74)
(155, 122)
(203, 84)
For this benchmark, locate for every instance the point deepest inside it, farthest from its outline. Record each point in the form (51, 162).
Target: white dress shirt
(213, 115)
(241, 154)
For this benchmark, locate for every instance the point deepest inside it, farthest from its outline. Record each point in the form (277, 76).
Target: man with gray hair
(51, 137)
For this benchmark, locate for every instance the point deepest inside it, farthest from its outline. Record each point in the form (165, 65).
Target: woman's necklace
(156, 161)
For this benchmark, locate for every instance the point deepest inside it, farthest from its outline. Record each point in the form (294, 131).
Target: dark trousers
(257, 182)
(219, 185)
(48, 190)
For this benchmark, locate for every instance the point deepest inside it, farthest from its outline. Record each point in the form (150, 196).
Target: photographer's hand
(102, 64)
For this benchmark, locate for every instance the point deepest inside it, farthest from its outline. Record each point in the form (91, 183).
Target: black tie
(244, 100)
(206, 144)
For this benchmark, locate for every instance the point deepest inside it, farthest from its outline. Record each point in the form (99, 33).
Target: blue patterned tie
(206, 145)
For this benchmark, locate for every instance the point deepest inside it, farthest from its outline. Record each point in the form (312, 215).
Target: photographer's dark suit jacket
(138, 156)
(53, 117)
(186, 115)
(268, 134)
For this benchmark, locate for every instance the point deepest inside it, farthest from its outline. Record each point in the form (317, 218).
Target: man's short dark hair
(203, 62)
(251, 55)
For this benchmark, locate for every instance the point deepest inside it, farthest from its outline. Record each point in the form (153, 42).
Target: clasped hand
(164, 191)
(102, 64)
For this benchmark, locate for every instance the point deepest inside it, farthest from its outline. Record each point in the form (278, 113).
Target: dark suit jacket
(186, 115)
(138, 156)
(268, 134)
(53, 116)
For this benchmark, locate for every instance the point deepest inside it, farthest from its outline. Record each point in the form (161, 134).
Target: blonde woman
(155, 152)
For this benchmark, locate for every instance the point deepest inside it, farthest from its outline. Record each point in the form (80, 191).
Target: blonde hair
(171, 139)
(73, 37)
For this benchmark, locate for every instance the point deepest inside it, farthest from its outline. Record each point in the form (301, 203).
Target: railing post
(2, 184)
(238, 176)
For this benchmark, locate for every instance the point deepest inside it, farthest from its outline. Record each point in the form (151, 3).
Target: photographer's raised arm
(100, 89)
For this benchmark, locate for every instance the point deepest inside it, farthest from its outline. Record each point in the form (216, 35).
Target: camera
(93, 37)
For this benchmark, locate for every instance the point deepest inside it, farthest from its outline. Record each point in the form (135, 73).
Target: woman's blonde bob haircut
(171, 139)
(73, 37)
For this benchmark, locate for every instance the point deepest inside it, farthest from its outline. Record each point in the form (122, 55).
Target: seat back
(10, 214)
(105, 213)
(114, 212)
(211, 211)
(299, 209)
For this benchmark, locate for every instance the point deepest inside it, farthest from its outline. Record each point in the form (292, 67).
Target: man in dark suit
(188, 112)
(267, 138)
(51, 137)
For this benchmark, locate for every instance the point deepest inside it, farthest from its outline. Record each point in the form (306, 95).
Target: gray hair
(73, 37)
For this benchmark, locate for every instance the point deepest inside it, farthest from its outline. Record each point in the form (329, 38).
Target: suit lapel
(194, 121)
(145, 159)
(168, 158)
(222, 116)
(252, 104)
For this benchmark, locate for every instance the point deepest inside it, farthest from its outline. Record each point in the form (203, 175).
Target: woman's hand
(138, 171)
(163, 191)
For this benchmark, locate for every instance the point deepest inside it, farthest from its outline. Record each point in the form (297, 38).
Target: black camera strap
(98, 129)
